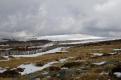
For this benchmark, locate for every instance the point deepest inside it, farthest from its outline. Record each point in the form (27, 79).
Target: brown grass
(82, 53)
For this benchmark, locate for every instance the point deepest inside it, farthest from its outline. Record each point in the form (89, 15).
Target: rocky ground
(100, 61)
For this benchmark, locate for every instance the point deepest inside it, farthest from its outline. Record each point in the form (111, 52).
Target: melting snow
(6, 58)
(64, 60)
(31, 68)
(2, 70)
(28, 68)
(60, 49)
(112, 53)
(100, 63)
(97, 54)
(117, 74)
(49, 44)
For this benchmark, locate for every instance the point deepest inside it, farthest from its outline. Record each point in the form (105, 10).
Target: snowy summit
(69, 37)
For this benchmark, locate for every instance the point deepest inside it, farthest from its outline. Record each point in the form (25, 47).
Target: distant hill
(69, 37)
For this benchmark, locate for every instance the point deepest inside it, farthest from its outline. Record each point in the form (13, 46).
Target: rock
(54, 68)
(10, 73)
(19, 69)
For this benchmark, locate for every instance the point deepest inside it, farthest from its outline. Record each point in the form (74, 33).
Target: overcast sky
(49, 17)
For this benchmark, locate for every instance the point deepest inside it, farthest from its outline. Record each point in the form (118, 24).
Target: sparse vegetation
(87, 70)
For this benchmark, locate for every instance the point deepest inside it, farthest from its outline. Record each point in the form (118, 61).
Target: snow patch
(2, 70)
(59, 49)
(6, 58)
(112, 53)
(65, 59)
(100, 63)
(98, 54)
(28, 68)
(31, 68)
(117, 74)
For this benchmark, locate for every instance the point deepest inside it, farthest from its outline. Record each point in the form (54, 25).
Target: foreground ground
(81, 63)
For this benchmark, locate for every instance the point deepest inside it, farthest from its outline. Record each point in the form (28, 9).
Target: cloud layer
(48, 17)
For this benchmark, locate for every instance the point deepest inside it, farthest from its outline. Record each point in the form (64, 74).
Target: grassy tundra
(83, 52)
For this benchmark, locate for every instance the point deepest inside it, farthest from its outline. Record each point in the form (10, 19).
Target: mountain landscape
(60, 40)
(61, 57)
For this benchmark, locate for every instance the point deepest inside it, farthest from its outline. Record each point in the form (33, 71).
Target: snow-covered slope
(69, 37)
(52, 38)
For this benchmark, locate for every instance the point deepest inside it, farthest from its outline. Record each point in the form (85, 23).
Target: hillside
(89, 61)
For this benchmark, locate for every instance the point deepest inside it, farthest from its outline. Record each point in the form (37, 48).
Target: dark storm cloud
(46, 17)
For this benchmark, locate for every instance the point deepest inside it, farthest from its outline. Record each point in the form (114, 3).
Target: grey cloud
(45, 17)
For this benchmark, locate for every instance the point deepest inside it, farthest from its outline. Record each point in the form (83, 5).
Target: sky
(53, 17)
